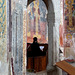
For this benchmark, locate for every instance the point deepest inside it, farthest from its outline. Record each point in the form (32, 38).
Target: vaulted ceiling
(45, 1)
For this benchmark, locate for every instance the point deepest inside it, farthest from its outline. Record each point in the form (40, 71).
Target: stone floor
(45, 73)
(37, 73)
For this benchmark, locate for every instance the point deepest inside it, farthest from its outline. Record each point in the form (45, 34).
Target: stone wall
(53, 32)
(17, 38)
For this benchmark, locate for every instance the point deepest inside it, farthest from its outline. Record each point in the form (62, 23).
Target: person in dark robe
(35, 49)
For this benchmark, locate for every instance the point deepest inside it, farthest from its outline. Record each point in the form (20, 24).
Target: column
(51, 22)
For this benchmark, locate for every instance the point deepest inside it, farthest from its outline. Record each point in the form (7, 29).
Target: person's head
(35, 39)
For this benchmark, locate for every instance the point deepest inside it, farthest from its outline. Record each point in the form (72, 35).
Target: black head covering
(35, 38)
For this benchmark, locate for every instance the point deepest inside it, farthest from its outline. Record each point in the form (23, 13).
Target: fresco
(2, 29)
(61, 27)
(3, 38)
(24, 36)
(24, 42)
(69, 28)
(69, 13)
(36, 22)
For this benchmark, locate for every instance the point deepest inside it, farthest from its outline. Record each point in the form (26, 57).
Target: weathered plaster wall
(17, 38)
(57, 23)
(3, 39)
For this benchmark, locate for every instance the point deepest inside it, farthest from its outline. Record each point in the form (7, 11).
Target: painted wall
(17, 38)
(61, 27)
(69, 29)
(37, 22)
(3, 39)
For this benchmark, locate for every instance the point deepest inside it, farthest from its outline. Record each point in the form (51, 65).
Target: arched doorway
(53, 27)
(37, 27)
(51, 22)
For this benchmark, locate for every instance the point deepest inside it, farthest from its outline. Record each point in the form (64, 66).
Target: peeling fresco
(2, 29)
(69, 26)
(3, 39)
(37, 22)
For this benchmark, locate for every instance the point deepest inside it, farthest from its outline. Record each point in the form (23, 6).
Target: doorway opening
(37, 27)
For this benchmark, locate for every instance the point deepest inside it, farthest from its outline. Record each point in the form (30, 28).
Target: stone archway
(53, 22)
(43, 24)
(53, 29)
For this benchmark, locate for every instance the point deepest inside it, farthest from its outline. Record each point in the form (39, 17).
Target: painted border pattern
(3, 30)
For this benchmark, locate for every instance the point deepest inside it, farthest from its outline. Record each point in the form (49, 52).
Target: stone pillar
(53, 36)
(51, 21)
(17, 38)
(14, 41)
(21, 41)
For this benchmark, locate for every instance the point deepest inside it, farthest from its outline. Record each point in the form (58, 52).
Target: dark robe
(35, 50)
